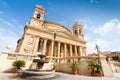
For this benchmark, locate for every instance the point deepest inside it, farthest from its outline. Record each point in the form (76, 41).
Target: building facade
(50, 38)
(112, 56)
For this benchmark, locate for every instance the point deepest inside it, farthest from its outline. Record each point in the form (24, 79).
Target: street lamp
(98, 51)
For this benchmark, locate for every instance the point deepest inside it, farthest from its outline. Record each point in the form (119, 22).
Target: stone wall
(6, 61)
(115, 66)
(65, 67)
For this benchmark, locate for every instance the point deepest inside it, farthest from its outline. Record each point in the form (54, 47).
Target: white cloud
(13, 25)
(83, 20)
(3, 21)
(7, 38)
(118, 27)
(105, 35)
(17, 23)
(102, 44)
(108, 27)
(93, 1)
(4, 32)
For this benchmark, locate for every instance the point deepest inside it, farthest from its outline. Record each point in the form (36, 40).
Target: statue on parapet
(8, 47)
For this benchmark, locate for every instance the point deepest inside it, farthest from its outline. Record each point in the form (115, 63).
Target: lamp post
(98, 51)
(99, 58)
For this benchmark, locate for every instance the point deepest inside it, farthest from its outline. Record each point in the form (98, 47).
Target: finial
(38, 6)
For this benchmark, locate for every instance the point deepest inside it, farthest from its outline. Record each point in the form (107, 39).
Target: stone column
(84, 51)
(80, 51)
(36, 45)
(52, 45)
(75, 59)
(65, 52)
(75, 51)
(58, 50)
(71, 53)
(44, 46)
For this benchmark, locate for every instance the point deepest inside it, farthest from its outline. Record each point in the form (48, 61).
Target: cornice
(51, 33)
(45, 21)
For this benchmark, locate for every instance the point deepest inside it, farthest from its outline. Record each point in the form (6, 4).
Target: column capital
(45, 39)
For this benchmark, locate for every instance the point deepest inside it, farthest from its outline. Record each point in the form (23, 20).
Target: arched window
(75, 31)
(38, 16)
(79, 31)
(115, 58)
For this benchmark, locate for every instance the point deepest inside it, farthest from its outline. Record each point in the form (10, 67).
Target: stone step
(41, 77)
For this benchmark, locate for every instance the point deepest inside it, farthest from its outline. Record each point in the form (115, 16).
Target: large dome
(53, 26)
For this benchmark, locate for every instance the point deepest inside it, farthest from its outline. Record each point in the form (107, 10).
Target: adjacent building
(112, 56)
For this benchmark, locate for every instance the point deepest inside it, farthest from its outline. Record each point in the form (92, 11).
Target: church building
(51, 39)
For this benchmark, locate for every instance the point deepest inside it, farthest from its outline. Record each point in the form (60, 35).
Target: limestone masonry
(50, 38)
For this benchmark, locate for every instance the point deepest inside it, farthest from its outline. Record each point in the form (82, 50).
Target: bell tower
(77, 31)
(39, 12)
(38, 16)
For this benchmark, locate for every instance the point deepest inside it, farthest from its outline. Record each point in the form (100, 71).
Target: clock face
(35, 23)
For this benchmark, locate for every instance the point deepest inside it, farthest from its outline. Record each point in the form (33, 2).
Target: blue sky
(100, 19)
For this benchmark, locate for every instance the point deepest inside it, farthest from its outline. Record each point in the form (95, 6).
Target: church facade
(52, 39)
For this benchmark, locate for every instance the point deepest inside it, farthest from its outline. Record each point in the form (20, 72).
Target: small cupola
(77, 30)
(39, 12)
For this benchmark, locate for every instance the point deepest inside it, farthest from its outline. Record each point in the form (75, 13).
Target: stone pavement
(62, 76)
(8, 76)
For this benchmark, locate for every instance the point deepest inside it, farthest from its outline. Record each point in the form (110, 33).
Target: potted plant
(95, 69)
(17, 65)
(75, 67)
(54, 66)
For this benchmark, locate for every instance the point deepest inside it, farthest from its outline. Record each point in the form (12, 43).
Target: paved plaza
(62, 76)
